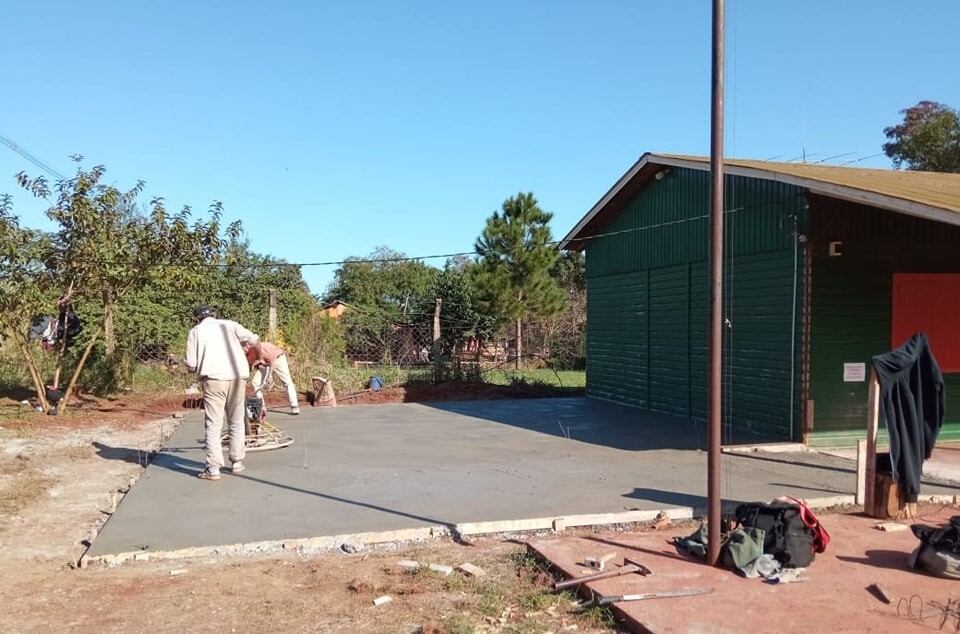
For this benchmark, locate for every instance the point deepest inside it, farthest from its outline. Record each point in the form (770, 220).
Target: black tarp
(911, 406)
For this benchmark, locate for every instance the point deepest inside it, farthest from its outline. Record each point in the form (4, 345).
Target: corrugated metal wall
(648, 306)
(851, 302)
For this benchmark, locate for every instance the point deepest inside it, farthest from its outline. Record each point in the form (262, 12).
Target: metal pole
(714, 397)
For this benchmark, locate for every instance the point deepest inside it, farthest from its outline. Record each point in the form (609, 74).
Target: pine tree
(516, 256)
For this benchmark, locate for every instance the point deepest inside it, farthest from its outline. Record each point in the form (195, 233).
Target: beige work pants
(223, 399)
(281, 370)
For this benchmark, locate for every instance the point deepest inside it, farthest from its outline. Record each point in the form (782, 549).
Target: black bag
(786, 537)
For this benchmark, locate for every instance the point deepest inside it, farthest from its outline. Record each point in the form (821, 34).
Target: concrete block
(409, 565)
(141, 557)
(471, 571)
(559, 525)
(382, 600)
(441, 569)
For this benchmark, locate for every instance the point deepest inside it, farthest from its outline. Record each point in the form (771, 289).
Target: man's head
(202, 312)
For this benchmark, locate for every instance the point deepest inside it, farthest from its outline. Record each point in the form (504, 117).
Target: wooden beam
(873, 421)
(861, 472)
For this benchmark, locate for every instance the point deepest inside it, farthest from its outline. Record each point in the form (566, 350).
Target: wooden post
(272, 314)
(861, 473)
(873, 421)
(436, 320)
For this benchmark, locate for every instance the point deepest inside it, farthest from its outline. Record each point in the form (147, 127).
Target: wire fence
(346, 344)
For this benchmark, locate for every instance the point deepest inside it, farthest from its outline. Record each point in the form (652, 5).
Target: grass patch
(22, 491)
(542, 376)
(492, 601)
(599, 616)
(459, 624)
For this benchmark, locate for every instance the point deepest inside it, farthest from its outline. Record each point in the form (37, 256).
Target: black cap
(202, 312)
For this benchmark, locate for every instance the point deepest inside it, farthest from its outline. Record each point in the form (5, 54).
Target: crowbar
(607, 600)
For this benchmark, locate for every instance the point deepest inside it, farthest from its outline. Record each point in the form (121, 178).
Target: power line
(30, 157)
(416, 258)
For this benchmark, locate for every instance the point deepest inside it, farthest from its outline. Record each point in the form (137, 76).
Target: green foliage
(461, 313)
(516, 257)
(927, 139)
(385, 281)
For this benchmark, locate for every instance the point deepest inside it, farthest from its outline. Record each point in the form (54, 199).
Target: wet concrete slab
(373, 468)
(834, 599)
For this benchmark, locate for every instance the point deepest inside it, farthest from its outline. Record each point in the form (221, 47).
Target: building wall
(852, 302)
(648, 304)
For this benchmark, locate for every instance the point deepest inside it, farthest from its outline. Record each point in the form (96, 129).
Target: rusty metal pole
(715, 377)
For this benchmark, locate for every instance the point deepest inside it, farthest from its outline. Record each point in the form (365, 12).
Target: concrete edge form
(313, 545)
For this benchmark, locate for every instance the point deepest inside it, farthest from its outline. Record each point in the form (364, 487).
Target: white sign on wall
(854, 372)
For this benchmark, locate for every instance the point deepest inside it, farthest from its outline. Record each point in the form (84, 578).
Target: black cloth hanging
(911, 406)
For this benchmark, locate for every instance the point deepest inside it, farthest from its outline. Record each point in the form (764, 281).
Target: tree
(384, 281)
(461, 315)
(103, 249)
(515, 259)
(928, 139)
(25, 288)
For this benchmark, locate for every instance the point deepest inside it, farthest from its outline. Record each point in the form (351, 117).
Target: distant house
(825, 267)
(335, 309)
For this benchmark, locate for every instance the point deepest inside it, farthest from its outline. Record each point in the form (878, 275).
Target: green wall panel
(852, 306)
(648, 304)
(617, 338)
(670, 340)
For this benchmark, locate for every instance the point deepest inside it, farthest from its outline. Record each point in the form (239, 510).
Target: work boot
(295, 411)
(237, 467)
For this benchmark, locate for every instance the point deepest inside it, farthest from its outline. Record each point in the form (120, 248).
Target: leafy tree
(928, 139)
(384, 281)
(25, 287)
(461, 313)
(515, 260)
(103, 249)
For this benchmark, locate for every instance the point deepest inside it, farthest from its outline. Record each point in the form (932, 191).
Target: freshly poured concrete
(383, 467)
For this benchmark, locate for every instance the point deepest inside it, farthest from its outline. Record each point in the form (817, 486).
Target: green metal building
(825, 267)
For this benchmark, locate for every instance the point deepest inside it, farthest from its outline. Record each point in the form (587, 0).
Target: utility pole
(272, 314)
(715, 391)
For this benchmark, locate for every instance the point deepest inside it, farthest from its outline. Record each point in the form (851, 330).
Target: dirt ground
(58, 481)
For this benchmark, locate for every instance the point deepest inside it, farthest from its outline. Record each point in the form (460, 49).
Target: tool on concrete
(629, 566)
(260, 435)
(599, 563)
(607, 600)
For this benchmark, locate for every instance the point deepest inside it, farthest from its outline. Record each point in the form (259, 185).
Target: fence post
(272, 314)
(436, 341)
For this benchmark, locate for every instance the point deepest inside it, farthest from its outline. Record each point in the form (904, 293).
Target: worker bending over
(267, 359)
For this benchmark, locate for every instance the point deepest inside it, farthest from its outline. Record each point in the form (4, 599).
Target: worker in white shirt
(215, 353)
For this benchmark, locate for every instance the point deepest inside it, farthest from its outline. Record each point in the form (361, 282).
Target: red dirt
(835, 599)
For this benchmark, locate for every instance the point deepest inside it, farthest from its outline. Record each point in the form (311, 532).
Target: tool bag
(785, 535)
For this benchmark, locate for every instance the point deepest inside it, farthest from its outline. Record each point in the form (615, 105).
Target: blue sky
(331, 128)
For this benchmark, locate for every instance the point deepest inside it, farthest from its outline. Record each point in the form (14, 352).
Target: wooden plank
(861, 472)
(873, 420)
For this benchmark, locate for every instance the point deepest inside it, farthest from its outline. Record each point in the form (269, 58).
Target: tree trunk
(109, 339)
(519, 342)
(62, 405)
(34, 371)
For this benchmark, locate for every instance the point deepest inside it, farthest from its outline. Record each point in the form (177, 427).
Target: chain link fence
(143, 353)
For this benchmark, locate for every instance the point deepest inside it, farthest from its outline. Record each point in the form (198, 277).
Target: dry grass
(27, 487)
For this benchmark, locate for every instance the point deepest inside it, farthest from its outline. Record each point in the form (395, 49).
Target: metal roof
(929, 195)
